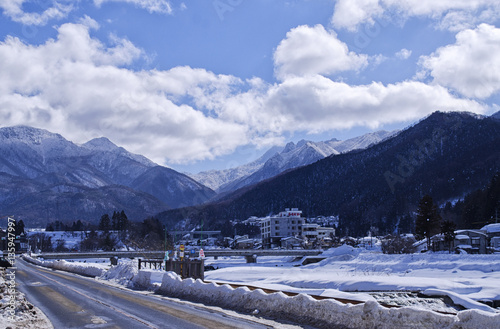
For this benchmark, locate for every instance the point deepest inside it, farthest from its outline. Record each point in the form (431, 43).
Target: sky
(212, 84)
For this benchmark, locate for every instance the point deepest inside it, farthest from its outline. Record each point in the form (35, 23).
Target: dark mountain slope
(445, 155)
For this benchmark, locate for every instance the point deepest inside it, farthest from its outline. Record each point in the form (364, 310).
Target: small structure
(243, 242)
(291, 242)
(493, 233)
(471, 241)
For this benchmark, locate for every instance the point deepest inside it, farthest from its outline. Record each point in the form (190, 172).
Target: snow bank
(324, 313)
(123, 273)
(26, 315)
(87, 269)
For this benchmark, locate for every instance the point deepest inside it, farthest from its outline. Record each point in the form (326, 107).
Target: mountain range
(374, 180)
(45, 177)
(279, 159)
(445, 155)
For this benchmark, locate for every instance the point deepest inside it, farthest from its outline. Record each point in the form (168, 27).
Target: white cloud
(317, 104)
(153, 6)
(350, 13)
(471, 65)
(82, 88)
(74, 86)
(450, 14)
(403, 53)
(14, 10)
(313, 50)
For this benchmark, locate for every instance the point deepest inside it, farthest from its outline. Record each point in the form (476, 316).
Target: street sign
(202, 253)
(181, 247)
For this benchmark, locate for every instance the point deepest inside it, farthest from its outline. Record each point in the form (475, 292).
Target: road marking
(146, 323)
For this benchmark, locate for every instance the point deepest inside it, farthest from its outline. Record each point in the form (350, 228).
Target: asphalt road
(72, 301)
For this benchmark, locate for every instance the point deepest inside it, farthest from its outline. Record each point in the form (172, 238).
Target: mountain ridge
(38, 167)
(445, 155)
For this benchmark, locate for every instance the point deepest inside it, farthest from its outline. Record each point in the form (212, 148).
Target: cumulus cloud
(313, 50)
(449, 14)
(83, 88)
(316, 103)
(44, 11)
(403, 53)
(14, 10)
(153, 6)
(471, 65)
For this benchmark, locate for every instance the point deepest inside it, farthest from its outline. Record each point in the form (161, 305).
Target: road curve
(72, 301)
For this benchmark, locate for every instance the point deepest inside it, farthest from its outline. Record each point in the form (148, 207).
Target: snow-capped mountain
(278, 160)
(216, 178)
(40, 170)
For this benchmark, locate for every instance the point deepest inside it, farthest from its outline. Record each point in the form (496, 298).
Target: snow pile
(325, 313)
(87, 269)
(123, 273)
(26, 315)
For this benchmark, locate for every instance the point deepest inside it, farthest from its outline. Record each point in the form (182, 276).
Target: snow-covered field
(345, 273)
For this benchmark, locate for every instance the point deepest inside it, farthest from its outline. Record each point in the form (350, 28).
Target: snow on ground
(467, 277)
(26, 315)
(345, 273)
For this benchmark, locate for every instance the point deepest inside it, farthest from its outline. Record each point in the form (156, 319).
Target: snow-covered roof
(458, 232)
(491, 228)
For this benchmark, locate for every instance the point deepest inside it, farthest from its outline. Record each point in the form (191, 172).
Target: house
(471, 241)
(274, 228)
(493, 232)
(292, 242)
(243, 242)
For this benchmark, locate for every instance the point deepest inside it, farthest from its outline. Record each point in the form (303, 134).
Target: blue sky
(206, 84)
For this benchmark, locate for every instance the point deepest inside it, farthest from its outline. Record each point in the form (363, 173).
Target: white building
(314, 233)
(287, 223)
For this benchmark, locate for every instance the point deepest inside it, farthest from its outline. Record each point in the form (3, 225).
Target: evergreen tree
(114, 224)
(19, 227)
(104, 223)
(428, 219)
(122, 221)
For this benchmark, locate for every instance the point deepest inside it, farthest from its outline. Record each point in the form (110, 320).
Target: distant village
(286, 230)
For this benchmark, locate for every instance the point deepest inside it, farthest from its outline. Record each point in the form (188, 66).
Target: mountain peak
(101, 144)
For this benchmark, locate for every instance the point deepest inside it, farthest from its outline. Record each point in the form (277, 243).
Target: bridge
(249, 254)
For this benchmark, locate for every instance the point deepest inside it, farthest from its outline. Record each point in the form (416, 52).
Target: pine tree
(104, 223)
(114, 225)
(122, 221)
(428, 219)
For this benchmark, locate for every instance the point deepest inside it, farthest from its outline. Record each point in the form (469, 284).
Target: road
(72, 301)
